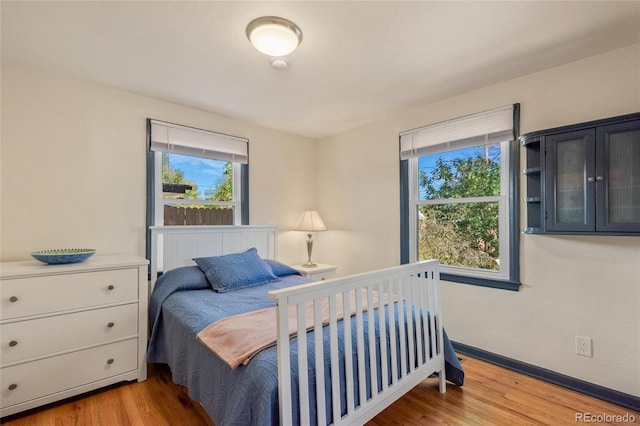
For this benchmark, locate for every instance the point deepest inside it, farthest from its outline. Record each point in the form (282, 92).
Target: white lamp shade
(310, 221)
(274, 36)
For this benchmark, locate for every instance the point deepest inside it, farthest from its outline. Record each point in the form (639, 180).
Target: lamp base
(309, 263)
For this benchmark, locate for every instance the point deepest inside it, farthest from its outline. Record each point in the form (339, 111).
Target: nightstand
(317, 273)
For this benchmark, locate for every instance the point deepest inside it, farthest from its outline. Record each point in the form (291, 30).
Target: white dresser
(69, 329)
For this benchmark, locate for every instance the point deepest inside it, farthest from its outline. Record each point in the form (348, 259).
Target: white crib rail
(415, 288)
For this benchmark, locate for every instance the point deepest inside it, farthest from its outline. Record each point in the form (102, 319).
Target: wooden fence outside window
(197, 216)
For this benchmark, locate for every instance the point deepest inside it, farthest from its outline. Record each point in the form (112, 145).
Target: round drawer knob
(111, 287)
(110, 325)
(110, 361)
(13, 343)
(13, 386)
(13, 299)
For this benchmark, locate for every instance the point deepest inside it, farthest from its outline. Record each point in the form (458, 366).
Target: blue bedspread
(181, 305)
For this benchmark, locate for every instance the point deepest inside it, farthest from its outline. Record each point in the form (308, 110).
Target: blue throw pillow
(280, 269)
(183, 278)
(235, 271)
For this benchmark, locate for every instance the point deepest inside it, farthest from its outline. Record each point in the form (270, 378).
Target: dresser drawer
(47, 294)
(24, 382)
(38, 337)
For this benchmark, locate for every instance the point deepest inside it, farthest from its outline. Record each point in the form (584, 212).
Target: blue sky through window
(427, 163)
(203, 172)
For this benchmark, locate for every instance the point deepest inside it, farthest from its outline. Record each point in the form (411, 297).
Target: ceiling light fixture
(274, 36)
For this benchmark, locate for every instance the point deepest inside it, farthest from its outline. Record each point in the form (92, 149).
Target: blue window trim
(244, 196)
(513, 283)
(482, 282)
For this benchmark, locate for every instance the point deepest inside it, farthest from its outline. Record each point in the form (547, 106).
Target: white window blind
(483, 128)
(176, 139)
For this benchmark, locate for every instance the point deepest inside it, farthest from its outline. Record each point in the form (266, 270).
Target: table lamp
(310, 222)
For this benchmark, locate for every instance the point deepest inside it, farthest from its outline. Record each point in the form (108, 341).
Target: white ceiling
(358, 62)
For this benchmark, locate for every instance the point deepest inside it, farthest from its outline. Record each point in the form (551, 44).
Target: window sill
(482, 282)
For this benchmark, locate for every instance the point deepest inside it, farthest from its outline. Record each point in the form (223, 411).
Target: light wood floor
(491, 396)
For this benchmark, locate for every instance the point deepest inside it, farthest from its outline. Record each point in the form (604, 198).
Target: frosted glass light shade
(274, 36)
(310, 221)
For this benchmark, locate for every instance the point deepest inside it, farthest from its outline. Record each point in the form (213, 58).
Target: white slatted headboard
(175, 246)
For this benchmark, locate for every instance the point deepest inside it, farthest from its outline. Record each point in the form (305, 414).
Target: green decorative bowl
(62, 256)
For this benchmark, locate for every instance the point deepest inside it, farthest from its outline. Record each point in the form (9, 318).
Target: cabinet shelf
(533, 230)
(532, 171)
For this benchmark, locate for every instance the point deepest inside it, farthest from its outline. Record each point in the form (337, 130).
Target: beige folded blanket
(238, 338)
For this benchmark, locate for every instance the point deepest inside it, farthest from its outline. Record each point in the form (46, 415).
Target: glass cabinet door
(589, 178)
(570, 181)
(618, 178)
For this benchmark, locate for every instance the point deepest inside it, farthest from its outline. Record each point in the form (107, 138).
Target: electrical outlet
(584, 346)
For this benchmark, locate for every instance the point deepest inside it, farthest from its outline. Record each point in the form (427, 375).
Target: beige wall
(74, 166)
(588, 286)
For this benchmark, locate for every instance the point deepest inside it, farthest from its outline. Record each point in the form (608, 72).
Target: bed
(390, 319)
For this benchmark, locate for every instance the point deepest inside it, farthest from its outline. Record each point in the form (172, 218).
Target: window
(196, 177)
(459, 202)
(196, 191)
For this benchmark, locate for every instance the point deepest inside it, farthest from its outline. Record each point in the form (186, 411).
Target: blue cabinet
(584, 178)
